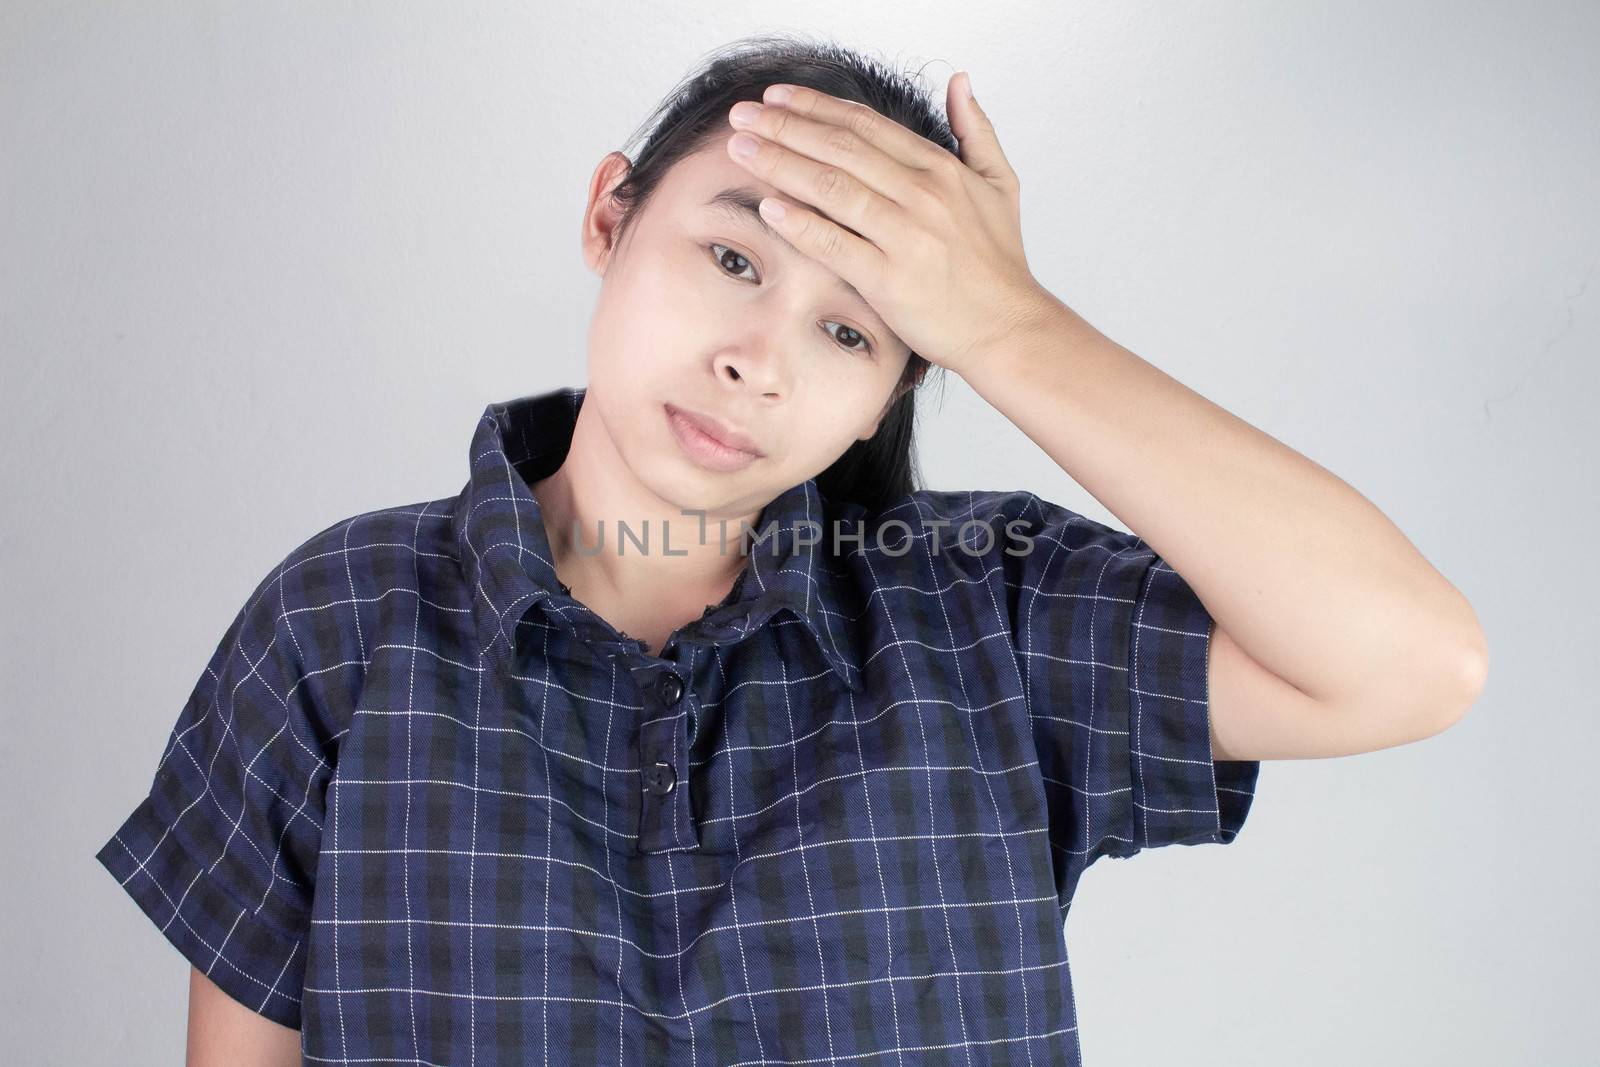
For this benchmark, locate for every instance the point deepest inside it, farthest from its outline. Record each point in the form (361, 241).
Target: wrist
(1043, 329)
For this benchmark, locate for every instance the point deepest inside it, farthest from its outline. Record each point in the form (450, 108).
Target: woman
(463, 782)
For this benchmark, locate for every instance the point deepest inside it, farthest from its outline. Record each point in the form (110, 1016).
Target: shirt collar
(506, 559)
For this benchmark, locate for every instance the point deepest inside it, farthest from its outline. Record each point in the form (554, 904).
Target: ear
(598, 231)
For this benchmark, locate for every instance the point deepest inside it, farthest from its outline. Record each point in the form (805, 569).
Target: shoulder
(926, 542)
(960, 505)
(965, 514)
(325, 603)
(975, 535)
(1017, 514)
(349, 555)
(973, 524)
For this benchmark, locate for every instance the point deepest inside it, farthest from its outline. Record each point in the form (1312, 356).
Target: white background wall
(264, 266)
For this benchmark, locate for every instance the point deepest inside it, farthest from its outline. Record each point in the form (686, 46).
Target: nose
(754, 369)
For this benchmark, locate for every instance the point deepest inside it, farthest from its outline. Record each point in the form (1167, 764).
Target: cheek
(638, 325)
(834, 422)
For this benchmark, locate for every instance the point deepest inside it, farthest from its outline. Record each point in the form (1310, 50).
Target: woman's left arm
(1331, 633)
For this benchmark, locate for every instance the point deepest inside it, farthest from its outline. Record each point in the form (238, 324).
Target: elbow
(1463, 679)
(1425, 689)
(1474, 669)
(1463, 665)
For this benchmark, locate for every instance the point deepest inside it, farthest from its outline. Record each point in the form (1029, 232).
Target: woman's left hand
(932, 241)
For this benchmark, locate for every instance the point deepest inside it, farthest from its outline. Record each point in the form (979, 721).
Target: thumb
(979, 144)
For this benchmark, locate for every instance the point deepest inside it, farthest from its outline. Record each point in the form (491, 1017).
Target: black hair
(881, 469)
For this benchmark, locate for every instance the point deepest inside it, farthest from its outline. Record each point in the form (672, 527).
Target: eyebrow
(742, 204)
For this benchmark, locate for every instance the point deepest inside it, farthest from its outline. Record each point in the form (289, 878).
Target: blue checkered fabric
(429, 808)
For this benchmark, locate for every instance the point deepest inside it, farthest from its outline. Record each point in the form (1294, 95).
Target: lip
(710, 442)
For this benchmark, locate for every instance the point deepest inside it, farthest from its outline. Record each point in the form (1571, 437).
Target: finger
(856, 260)
(827, 143)
(877, 129)
(980, 145)
(833, 190)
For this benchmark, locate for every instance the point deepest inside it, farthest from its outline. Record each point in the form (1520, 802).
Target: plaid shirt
(427, 807)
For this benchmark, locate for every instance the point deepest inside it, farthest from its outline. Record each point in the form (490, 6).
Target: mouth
(710, 442)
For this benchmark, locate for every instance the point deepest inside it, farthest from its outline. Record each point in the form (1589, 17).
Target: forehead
(709, 168)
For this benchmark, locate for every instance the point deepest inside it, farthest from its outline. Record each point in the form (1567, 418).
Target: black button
(660, 777)
(669, 689)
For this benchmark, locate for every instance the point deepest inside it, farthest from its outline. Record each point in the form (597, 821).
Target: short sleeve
(221, 854)
(1112, 646)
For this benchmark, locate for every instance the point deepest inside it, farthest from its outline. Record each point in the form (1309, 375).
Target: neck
(662, 559)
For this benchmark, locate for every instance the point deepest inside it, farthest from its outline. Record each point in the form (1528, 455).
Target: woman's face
(703, 310)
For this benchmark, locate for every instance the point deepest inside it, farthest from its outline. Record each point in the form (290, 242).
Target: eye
(722, 253)
(864, 346)
(726, 253)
